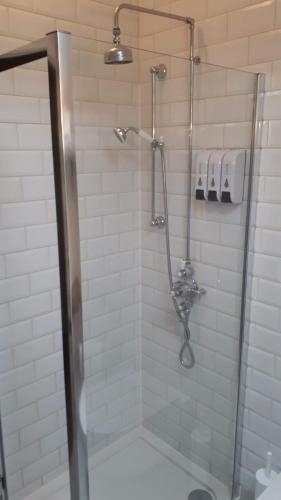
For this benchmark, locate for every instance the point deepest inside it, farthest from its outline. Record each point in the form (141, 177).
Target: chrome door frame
(236, 492)
(56, 47)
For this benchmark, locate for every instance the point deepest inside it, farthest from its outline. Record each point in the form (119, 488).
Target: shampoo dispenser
(214, 175)
(201, 180)
(232, 177)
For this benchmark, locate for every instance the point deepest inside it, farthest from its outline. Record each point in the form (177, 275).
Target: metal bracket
(196, 59)
(160, 71)
(158, 221)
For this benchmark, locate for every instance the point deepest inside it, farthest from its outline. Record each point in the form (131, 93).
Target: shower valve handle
(176, 292)
(182, 273)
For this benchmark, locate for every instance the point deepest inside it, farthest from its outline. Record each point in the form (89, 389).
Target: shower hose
(186, 347)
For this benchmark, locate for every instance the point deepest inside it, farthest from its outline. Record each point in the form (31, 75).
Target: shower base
(139, 466)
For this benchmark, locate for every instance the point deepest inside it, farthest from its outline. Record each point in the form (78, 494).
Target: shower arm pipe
(127, 6)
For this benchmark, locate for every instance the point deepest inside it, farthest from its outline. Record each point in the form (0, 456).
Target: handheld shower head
(121, 134)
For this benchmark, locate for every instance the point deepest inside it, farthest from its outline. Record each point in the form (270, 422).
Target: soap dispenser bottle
(232, 176)
(201, 178)
(214, 175)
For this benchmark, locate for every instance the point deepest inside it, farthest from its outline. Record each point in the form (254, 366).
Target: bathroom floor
(138, 469)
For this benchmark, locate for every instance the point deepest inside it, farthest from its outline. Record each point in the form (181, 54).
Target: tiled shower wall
(247, 34)
(31, 378)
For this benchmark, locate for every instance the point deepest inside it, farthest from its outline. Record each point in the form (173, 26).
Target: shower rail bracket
(160, 70)
(196, 59)
(159, 221)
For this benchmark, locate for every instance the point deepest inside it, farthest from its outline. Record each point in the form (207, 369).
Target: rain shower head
(121, 134)
(118, 54)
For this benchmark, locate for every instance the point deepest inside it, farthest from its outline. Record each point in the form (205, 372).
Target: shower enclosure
(151, 428)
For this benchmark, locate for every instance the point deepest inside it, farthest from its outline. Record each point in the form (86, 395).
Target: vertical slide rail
(153, 151)
(59, 64)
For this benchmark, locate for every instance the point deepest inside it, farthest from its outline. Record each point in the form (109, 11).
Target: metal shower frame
(57, 49)
(247, 283)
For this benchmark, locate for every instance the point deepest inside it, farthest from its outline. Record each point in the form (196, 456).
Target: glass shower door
(155, 428)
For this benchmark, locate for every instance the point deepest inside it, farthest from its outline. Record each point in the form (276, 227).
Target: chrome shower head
(121, 134)
(118, 54)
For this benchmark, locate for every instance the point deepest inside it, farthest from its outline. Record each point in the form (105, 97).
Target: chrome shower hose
(186, 344)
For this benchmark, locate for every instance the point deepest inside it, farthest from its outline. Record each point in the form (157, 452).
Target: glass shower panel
(194, 411)
(223, 120)
(32, 379)
(148, 417)
(109, 203)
